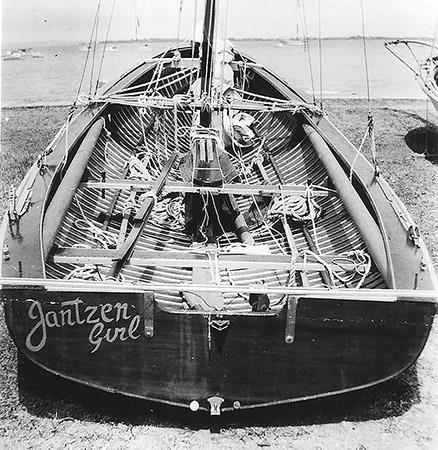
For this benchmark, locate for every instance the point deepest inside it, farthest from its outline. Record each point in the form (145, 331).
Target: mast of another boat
(207, 56)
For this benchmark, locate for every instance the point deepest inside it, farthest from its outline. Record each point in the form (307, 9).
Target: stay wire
(210, 60)
(225, 32)
(307, 45)
(104, 47)
(435, 30)
(93, 61)
(365, 56)
(194, 40)
(179, 22)
(84, 70)
(370, 118)
(320, 55)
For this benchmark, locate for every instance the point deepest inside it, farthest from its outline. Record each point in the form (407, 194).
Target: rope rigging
(180, 9)
(96, 30)
(104, 47)
(320, 55)
(168, 210)
(307, 46)
(369, 132)
(89, 46)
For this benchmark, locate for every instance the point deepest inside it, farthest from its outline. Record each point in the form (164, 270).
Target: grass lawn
(40, 411)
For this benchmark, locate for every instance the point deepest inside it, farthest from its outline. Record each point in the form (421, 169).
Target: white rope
(297, 207)
(87, 272)
(138, 169)
(104, 238)
(356, 258)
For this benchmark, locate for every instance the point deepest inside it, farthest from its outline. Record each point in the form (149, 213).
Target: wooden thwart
(192, 259)
(234, 189)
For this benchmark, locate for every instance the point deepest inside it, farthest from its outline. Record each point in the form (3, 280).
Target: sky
(56, 21)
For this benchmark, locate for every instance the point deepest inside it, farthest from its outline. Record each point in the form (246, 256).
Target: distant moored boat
(425, 68)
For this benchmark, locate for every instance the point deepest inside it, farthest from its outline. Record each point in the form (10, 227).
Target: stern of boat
(124, 342)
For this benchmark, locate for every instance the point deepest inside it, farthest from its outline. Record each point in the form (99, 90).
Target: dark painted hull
(339, 346)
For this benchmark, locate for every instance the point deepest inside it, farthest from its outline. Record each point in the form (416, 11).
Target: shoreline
(33, 44)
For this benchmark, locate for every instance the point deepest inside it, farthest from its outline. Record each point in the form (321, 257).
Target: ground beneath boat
(40, 411)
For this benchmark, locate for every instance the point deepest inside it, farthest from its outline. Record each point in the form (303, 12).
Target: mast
(207, 56)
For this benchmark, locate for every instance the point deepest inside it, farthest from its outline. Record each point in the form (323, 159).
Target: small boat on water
(422, 59)
(12, 55)
(201, 235)
(289, 43)
(21, 54)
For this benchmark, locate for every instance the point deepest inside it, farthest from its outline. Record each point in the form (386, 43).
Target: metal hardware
(146, 309)
(14, 218)
(194, 405)
(6, 253)
(414, 234)
(291, 317)
(219, 324)
(103, 179)
(12, 212)
(215, 405)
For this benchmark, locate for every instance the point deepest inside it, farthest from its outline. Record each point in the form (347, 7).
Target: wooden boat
(12, 55)
(212, 242)
(424, 67)
(21, 53)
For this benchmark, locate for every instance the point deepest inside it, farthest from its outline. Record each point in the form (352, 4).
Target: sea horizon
(35, 44)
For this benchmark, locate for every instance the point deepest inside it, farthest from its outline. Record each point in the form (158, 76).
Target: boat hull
(124, 343)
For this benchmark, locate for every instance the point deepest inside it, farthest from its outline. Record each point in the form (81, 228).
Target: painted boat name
(70, 315)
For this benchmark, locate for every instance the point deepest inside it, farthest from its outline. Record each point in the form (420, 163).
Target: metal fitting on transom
(215, 405)
(194, 405)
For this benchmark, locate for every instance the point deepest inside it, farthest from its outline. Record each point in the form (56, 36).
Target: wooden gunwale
(363, 294)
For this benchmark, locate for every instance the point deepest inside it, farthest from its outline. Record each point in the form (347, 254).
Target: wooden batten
(66, 190)
(358, 212)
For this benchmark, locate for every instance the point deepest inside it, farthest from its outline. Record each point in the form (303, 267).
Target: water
(54, 79)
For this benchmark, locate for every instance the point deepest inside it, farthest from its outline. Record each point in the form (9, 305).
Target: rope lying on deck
(357, 258)
(296, 207)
